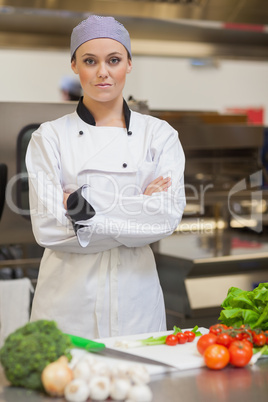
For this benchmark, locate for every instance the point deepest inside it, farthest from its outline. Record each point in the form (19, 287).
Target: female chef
(105, 182)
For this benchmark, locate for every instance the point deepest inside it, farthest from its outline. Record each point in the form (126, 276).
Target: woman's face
(102, 65)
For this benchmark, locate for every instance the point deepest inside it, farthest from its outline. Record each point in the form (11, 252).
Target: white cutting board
(182, 357)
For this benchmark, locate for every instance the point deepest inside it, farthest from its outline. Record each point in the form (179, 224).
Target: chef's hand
(158, 185)
(65, 198)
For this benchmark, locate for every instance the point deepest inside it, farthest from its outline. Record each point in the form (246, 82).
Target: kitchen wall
(166, 83)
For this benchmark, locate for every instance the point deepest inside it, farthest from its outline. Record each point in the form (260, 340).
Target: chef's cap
(95, 27)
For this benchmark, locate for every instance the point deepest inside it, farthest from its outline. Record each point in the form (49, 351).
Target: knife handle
(84, 343)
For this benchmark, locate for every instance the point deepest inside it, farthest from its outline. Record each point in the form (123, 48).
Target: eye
(89, 61)
(114, 60)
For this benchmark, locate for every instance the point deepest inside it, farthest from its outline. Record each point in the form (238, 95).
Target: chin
(106, 98)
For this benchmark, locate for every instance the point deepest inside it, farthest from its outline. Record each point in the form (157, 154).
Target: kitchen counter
(191, 382)
(200, 385)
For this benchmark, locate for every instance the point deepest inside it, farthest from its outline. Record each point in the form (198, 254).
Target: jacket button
(81, 132)
(129, 133)
(124, 165)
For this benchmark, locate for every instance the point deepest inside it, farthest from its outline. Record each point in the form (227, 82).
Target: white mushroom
(82, 370)
(119, 389)
(99, 388)
(77, 391)
(75, 359)
(90, 359)
(139, 374)
(120, 370)
(140, 393)
(101, 368)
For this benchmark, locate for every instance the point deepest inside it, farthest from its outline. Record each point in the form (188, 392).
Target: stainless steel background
(14, 116)
(44, 23)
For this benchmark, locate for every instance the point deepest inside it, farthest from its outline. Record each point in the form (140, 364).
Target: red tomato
(259, 339)
(182, 338)
(217, 328)
(266, 334)
(190, 335)
(204, 341)
(172, 340)
(224, 339)
(240, 353)
(247, 342)
(238, 336)
(246, 335)
(216, 357)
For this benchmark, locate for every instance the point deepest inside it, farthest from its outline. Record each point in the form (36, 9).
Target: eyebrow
(94, 55)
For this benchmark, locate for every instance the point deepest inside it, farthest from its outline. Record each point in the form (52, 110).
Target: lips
(103, 85)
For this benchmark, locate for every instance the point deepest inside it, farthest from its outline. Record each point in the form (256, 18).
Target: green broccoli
(28, 350)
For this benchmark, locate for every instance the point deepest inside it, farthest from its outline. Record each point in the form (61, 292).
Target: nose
(102, 71)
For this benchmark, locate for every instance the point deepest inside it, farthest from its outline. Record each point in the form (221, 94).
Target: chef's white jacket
(100, 279)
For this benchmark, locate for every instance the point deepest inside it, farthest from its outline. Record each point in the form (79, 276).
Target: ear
(129, 67)
(73, 65)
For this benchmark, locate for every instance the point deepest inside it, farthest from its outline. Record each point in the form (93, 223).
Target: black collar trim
(127, 114)
(87, 117)
(84, 113)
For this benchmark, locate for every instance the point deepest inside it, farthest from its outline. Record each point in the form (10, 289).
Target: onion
(56, 376)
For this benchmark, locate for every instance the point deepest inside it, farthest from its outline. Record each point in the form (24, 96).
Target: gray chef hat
(95, 27)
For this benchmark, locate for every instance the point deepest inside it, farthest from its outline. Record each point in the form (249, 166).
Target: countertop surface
(222, 244)
(190, 382)
(246, 384)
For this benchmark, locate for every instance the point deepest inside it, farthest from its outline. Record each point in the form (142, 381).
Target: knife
(101, 349)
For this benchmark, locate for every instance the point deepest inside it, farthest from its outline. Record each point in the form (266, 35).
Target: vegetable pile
(94, 379)
(28, 350)
(246, 307)
(243, 330)
(224, 345)
(38, 356)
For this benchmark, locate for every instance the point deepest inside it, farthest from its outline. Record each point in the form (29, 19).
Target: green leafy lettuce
(246, 307)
